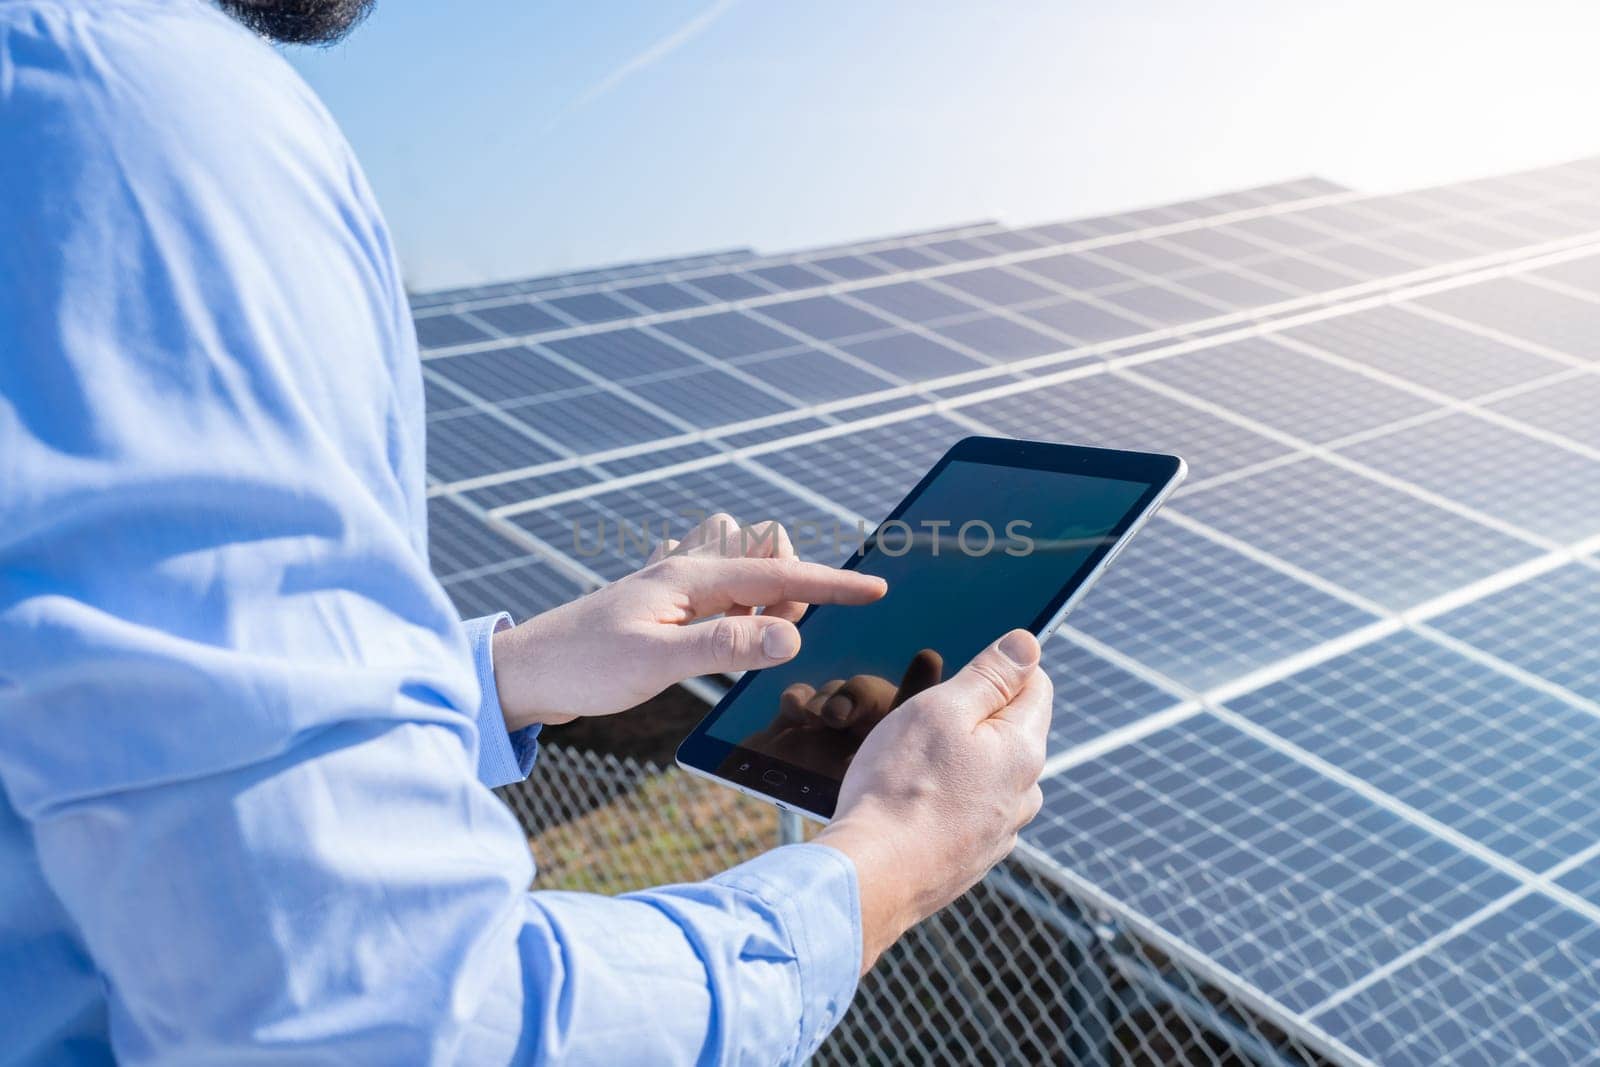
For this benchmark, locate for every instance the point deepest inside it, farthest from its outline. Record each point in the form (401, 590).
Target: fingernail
(1020, 648)
(838, 708)
(780, 642)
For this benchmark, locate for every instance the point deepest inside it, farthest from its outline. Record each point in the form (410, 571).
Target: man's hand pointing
(625, 643)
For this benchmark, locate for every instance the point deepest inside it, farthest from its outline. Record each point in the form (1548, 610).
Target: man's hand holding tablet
(937, 792)
(927, 782)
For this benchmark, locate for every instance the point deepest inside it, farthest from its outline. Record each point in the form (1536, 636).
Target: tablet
(1000, 534)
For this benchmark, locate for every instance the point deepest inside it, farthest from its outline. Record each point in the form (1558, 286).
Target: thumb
(734, 643)
(994, 678)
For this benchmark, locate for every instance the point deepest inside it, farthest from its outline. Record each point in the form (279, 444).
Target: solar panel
(998, 285)
(1568, 407)
(1449, 359)
(510, 374)
(912, 357)
(1330, 726)
(901, 453)
(514, 319)
(1000, 337)
(1560, 321)
(424, 301)
(1580, 274)
(1548, 625)
(1200, 613)
(1294, 882)
(1501, 472)
(1097, 696)
(1286, 390)
(814, 377)
(476, 443)
(1082, 320)
(1519, 986)
(1112, 412)
(728, 286)
(1480, 752)
(1369, 538)
(1163, 305)
(620, 354)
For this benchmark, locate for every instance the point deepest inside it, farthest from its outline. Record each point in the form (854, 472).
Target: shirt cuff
(503, 757)
(813, 889)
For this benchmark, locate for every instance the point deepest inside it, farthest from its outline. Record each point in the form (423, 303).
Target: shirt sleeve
(503, 757)
(238, 716)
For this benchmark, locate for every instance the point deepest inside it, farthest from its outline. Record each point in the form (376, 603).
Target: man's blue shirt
(245, 745)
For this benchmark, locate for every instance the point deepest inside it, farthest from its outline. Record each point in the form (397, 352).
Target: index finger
(714, 585)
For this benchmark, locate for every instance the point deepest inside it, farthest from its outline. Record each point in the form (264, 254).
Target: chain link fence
(1018, 971)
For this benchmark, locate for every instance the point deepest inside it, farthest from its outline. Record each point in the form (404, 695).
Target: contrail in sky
(652, 55)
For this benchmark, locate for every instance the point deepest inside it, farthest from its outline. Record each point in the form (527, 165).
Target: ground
(613, 833)
(650, 731)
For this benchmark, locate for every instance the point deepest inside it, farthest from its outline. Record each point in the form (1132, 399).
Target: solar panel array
(1330, 730)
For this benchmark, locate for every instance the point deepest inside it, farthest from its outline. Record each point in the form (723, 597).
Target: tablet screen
(983, 549)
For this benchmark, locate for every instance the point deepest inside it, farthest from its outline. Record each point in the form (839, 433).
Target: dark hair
(299, 21)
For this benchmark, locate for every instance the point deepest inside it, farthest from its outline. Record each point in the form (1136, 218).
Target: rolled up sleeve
(812, 890)
(503, 756)
(754, 966)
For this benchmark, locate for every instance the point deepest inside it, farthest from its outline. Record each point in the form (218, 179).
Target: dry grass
(671, 828)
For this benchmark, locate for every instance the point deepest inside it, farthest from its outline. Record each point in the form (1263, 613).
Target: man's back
(167, 319)
(245, 743)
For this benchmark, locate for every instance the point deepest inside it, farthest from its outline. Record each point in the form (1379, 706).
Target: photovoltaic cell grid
(1332, 721)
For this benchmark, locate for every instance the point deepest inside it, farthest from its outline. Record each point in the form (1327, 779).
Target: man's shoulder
(176, 204)
(145, 82)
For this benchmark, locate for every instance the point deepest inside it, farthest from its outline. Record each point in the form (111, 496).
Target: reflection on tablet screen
(982, 550)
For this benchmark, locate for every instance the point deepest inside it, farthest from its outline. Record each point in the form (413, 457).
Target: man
(245, 745)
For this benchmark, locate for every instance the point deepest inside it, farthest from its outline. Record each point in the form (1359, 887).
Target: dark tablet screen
(982, 548)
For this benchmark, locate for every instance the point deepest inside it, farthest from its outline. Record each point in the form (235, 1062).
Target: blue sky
(508, 138)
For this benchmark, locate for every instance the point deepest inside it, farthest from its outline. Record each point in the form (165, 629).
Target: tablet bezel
(814, 795)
